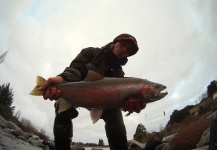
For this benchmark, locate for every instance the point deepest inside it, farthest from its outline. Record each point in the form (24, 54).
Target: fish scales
(107, 93)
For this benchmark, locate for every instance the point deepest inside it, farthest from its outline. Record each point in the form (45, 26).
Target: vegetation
(7, 111)
(212, 88)
(101, 142)
(140, 133)
(179, 116)
(2, 57)
(6, 100)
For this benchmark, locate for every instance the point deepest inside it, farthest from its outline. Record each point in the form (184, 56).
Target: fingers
(50, 81)
(45, 85)
(143, 105)
(128, 106)
(133, 106)
(125, 108)
(54, 94)
(46, 95)
(137, 107)
(58, 94)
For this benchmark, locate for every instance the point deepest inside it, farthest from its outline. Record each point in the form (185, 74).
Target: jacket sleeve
(77, 69)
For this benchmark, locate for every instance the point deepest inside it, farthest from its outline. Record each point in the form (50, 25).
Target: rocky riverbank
(13, 138)
(197, 136)
(200, 135)
(10, 142)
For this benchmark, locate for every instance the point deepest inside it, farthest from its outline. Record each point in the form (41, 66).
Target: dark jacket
(100, 60)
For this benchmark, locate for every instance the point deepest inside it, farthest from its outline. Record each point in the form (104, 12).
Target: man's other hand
(133, 106)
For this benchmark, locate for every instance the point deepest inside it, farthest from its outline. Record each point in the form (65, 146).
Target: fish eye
(157, 85)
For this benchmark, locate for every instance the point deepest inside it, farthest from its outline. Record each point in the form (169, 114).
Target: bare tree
(17, 114)
(2, 57)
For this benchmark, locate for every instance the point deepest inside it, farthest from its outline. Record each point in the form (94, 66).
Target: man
(107, 61)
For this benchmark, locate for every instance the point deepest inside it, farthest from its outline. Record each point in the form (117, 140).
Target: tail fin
(36, 91)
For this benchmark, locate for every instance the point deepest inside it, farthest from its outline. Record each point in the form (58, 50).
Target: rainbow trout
(97, 92)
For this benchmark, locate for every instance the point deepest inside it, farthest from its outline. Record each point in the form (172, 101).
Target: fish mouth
(160, 93)
(156, 95)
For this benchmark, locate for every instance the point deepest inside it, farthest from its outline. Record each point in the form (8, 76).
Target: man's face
(122, 49)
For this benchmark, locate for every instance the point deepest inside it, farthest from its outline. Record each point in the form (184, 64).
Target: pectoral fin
(95, 114)
(64, 105)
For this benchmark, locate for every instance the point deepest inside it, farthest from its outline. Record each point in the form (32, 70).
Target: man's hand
(52, 94)
(133, 106)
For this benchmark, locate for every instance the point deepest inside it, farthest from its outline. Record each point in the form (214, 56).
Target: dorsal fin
(93, 76)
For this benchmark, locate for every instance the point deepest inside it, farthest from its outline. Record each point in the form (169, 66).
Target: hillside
(186, 126)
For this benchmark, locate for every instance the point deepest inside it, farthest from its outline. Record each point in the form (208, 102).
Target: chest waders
(63, 127)
(115, 129)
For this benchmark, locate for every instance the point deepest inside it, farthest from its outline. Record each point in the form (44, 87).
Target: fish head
(152, 91)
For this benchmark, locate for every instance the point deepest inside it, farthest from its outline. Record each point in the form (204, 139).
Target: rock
(37, 142)
(202, 148)
(96, 148)
(3, 125)
(166, 147)
(204, 138)
(162, 145)
(17, 132)
(77, 147)
(129, 143)
(12, 126)
(212, 115)
(10, 142)
(50, 144)
(22, 138)
(214, 96)
(35, 137)
(167, 139)
(153, 141)
(189, 136)
(213, 134)
(27, 135)
(7, 130)
(20, 132)
(2, 119)
(135, 145)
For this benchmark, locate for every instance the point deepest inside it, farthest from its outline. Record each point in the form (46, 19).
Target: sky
(177, 47)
